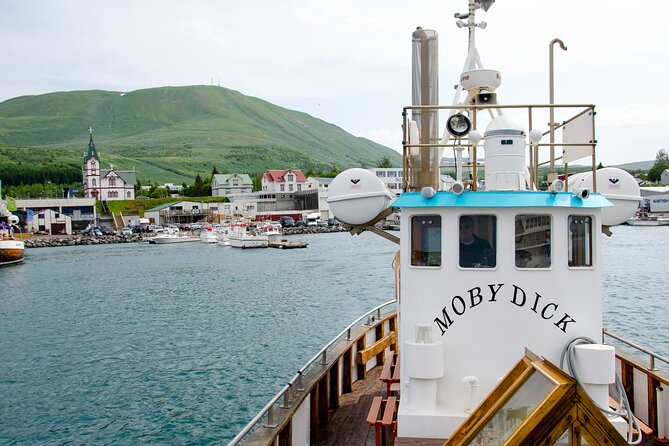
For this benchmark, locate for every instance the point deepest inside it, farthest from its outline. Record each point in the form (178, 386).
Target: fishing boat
(170, 235)
(495, 335)
(241, 236)
(207, 235)
(272, 230)
(12, 249)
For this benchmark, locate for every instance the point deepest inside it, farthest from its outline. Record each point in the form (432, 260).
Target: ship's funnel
(424, 163)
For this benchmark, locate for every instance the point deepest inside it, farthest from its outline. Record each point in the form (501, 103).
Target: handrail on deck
(297, 379)
(652, 356)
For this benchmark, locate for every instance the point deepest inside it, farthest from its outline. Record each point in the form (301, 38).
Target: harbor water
(183, 344)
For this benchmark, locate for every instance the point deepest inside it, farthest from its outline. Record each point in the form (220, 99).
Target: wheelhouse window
(478, 241)
(426, 240)
(579, 250)
(533, 241)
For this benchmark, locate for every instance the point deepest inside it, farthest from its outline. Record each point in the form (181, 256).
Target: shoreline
(50, 241)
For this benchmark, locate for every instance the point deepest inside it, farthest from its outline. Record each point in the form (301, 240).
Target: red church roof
(278, 176)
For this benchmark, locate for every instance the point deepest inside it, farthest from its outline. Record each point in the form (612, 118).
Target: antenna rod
(551, 175)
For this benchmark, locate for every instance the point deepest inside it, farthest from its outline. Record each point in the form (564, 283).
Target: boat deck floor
(348, 426)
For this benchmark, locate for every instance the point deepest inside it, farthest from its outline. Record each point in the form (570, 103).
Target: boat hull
(248, 241)
(647, 222)
(166, 240)
(11, 251)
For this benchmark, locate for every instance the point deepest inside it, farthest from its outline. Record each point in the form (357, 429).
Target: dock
(285, 244)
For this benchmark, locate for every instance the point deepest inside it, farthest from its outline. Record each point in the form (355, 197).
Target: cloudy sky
(348, 62)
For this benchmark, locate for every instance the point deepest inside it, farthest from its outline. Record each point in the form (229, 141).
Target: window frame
(424, 260)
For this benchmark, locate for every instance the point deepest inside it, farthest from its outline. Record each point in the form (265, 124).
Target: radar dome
(356, 196)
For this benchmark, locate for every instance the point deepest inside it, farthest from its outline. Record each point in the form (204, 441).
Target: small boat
(208, 235)
(495, 334)
(170, 235)
(272, 230)
(645, 219)
(242, 237)
(12, 249)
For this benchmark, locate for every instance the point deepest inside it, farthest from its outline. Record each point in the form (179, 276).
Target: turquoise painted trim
(497, 199)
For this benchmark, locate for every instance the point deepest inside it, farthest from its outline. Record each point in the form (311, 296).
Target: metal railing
(653, 356)
(295, 384)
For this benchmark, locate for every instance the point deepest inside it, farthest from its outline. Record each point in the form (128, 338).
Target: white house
(105, 184)
(283, 181)
(223, 185)
(664, 176)
(321, 185)
(50, 221)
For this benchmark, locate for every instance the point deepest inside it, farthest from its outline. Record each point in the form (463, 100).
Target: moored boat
(12, 250)
(496, 335)
(170, 235)
(207, 235)
(242, 237)
(648, 220)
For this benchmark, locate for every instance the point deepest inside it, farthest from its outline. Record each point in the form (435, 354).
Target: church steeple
(92, 153)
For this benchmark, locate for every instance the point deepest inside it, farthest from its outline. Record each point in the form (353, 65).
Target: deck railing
(644, 383)
(296, 384)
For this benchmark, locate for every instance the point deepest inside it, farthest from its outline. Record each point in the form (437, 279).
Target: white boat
(242, 237)
(495, 335)
(272, 230)
(12, 249)
(648, 220)
(171, 235)
(208, 235)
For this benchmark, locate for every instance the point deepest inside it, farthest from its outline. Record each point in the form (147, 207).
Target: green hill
(174, 133)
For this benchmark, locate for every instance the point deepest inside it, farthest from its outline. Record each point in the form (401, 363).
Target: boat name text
(474, 297)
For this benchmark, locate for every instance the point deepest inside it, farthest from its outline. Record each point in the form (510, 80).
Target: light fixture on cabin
(458, 125)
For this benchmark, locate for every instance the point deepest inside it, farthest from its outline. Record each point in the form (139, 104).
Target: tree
(661, 164)
(198, 187)
(384, 162)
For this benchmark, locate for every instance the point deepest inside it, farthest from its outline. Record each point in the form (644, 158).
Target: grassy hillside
(174, 133)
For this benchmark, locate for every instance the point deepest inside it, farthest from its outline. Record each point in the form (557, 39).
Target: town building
(664, 177)
(223, 185)
(80, 212)
(391, 176)
(105, 184)
(283, 181)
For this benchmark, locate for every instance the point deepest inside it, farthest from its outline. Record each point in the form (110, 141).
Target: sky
(348, 62)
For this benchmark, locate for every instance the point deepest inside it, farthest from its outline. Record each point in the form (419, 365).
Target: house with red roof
(283, 181)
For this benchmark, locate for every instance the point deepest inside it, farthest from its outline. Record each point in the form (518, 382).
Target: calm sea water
(183, 344)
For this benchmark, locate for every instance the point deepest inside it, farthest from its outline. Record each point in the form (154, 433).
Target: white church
(105, 184)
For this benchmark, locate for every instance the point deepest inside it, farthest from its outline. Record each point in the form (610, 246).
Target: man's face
(466, 230)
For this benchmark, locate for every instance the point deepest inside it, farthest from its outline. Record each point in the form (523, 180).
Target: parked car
(158, 229)
(300, 223)
(321, 222)
(126, 231)
(332, 222)
(92, 232)
(286, 222)
(106, 230)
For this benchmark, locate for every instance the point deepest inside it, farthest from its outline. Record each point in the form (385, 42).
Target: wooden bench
(383, 416)
(390, 374)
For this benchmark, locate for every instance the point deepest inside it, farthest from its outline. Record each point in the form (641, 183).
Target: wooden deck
(348, 426)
